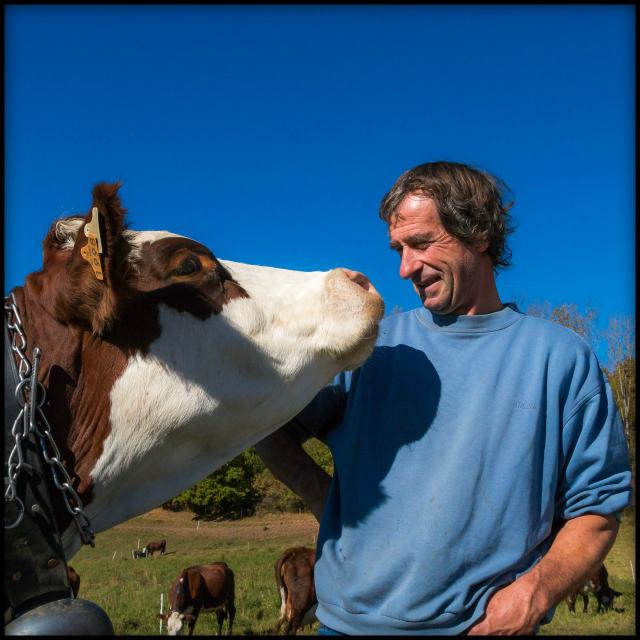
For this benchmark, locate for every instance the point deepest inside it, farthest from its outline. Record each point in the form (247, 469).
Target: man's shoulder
(565, 352)
(554, 333)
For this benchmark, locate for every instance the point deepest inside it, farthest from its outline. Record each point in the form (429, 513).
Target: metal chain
(30, 396)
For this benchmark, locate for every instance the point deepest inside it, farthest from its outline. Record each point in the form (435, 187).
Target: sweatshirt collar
(470, 324)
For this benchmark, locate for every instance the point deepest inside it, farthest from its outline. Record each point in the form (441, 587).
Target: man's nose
(408, 263)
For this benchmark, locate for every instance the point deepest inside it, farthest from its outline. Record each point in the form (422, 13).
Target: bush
(244, 486)
(275, 496)
(228, 492)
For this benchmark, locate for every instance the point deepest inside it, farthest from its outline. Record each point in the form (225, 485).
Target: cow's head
(180, 601)
(177, 361)
(607, 596)
(175, 621)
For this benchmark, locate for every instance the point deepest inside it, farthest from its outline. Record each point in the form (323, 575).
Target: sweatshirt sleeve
(595, 475)
(322, 414)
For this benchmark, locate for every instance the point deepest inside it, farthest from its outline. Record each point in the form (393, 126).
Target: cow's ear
(80, 294)
(161, 616)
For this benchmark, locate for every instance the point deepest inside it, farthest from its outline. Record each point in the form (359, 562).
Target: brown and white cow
(598, 584)
(175, 361)
(154, 547)
(294, 579)
(201, 588)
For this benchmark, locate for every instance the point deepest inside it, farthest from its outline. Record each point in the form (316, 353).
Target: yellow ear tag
(92, 250)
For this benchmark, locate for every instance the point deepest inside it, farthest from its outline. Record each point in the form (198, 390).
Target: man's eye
(189, 265)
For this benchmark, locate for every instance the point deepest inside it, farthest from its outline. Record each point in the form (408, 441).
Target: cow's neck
(79, 420)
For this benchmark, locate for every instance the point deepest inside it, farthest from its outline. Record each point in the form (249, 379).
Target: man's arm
(284, 456)
(579, 548)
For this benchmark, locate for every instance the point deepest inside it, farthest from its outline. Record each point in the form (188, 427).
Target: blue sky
(270, 133)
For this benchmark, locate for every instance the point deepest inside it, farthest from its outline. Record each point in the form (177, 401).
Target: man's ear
(76, 295)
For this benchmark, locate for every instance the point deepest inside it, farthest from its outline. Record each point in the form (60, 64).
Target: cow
(597, 584)
(74, 580)
(152, 547)
(207, 587)
(137, 554)
(162, 362)
(294, 580)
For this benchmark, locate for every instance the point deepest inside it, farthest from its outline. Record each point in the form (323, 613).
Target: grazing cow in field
(152, 547)
(161, 362)
(598, 584)
(203, 588)
(294, 579)
(74, 580)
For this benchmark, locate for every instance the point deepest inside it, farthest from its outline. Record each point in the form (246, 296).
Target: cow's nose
(360, 279)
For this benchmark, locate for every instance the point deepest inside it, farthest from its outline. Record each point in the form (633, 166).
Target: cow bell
(65, 617)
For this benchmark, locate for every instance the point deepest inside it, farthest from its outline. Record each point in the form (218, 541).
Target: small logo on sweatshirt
(526, 406)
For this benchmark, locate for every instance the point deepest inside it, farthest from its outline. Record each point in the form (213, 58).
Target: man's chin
(435, 303)
(435, 306)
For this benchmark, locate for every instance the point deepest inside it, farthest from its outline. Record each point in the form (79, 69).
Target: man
(480, 464)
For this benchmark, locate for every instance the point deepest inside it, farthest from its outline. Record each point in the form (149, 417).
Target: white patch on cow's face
(137, 238)
(325, 309)
(175, 623)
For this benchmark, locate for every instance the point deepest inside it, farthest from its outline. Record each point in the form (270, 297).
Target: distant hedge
(244, 487)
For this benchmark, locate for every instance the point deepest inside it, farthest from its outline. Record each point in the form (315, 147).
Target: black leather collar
(35, 570)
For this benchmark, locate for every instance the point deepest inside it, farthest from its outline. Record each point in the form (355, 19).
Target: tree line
(244, 486)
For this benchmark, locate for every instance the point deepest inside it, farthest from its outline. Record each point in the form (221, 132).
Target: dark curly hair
(469, 201)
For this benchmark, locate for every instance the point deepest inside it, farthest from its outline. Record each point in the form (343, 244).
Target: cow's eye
(189, 265)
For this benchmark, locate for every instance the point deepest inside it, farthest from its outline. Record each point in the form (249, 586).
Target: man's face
(449, 276)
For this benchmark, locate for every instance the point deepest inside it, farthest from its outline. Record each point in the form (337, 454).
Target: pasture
(129, 590)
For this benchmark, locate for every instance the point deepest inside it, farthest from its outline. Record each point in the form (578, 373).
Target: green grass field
(622, 620)
(129, 590)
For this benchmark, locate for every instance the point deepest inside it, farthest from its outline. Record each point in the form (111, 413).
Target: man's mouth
(426, 284)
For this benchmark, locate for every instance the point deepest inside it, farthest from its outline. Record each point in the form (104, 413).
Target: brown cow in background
(597, 584)
(207, 587)
(152, 547)
(294, 579)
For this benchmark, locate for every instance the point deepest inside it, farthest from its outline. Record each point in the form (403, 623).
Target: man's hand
(512, 610)
(578, 549)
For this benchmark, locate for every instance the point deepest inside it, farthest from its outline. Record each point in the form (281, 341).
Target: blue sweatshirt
(457, 447)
